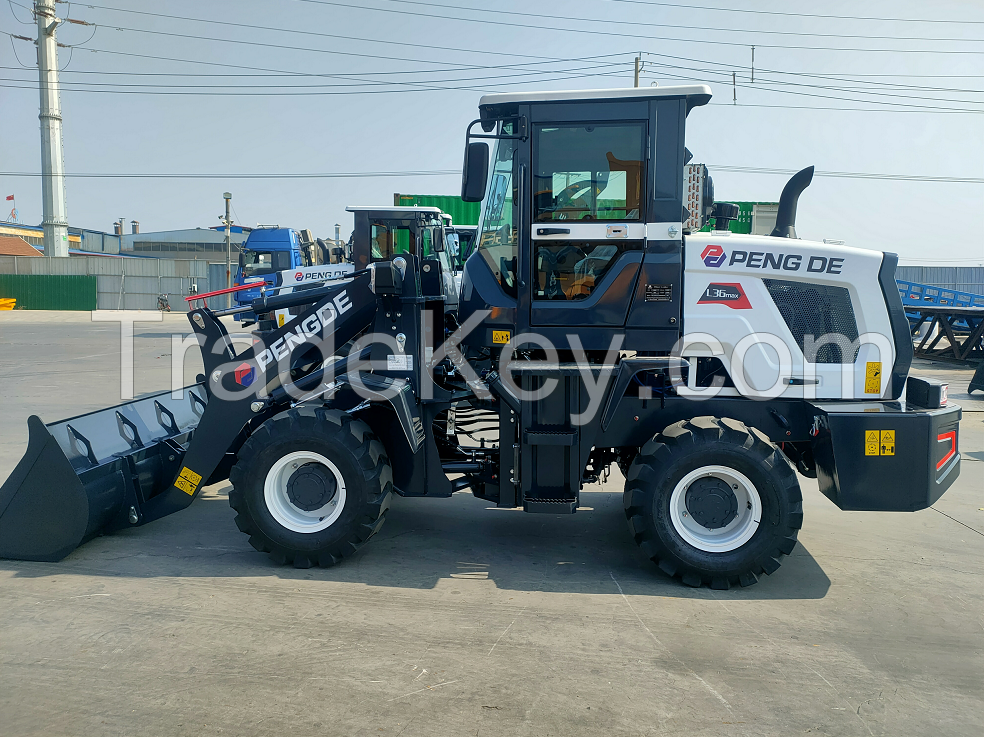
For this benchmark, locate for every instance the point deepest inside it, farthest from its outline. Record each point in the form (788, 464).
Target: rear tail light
(949, 439)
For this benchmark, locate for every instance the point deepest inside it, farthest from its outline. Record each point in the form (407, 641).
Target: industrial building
(206, 244)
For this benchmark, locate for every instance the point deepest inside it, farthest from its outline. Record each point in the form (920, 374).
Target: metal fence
(959, 278)
(50, 292)
(123, 283)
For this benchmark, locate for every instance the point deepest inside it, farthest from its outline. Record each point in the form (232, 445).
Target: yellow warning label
(280, 320)
(500, 336)
(888, 442)
(872, 377)
(879, 442)
(188, 480)
(871, 442)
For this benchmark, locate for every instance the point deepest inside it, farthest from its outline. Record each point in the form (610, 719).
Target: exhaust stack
(786, 217)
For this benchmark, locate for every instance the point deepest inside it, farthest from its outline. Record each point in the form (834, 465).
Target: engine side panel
(751, 293)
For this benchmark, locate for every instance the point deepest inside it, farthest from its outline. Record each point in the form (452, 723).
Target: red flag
(10, 197)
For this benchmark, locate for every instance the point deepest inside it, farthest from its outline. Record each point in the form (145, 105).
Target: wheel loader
(594, 326)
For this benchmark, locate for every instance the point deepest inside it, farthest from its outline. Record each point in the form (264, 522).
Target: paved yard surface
(459, 619)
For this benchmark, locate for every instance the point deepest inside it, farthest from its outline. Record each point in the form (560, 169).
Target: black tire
(709, 441)
(357, 455)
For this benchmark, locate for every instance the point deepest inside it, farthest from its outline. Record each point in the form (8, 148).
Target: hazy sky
(372, 101)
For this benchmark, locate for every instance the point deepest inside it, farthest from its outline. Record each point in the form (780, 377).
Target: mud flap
(93, 473)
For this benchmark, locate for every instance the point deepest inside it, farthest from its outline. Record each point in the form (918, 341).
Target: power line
(798, 15)
(741, 105)
(901, 107)
(292, 31)
(850, 174)
(301, 48)
(358, 83)
(201, 62)
(443, 6)
(319, 175)
(728, 68)
(869, 93)
(596, 32)
(449, 172)
(410, 87)
(845, 77)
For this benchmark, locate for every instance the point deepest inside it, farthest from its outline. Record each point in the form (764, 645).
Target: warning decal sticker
(872, 377)
(888, 442)
(188, 480)
(879, 442)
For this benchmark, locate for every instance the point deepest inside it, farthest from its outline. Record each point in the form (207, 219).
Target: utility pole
(228, 233)
(55, 220)
(638, 64)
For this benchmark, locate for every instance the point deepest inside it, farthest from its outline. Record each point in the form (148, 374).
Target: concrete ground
(458, 619)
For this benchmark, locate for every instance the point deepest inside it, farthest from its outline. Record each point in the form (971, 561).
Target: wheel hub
(311, 487)
(712, 503)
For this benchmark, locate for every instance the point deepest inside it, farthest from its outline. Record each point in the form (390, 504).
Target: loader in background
(591, 329)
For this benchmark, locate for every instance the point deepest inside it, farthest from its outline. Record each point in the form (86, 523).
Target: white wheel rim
(723, 539)
(283, 509)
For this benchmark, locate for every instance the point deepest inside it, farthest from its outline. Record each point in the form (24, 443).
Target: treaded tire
(703, 441)
(359, 457)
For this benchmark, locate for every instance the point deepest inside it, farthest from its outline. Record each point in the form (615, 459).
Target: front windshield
(257, 263)
(498, 235)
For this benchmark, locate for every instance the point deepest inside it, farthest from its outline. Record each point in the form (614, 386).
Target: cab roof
(393, 209)
(695, 94)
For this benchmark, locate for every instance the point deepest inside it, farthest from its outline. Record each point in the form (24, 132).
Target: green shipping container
(44, 292)
(751, 214)
(461, 212)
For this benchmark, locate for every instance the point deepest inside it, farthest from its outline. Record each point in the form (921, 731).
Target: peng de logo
(245, 374)
(713, 256)
(298, 276)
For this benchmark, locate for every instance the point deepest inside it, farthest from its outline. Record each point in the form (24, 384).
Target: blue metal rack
(951, 314)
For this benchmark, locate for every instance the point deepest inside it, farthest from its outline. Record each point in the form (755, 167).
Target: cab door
(588, 215)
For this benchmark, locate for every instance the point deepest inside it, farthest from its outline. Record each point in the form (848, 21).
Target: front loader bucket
(93, 473)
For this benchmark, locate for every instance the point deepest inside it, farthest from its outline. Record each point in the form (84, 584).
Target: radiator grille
(817, 310)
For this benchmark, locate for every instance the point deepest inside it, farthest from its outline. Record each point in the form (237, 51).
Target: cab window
(566, 270)
(591, 171)
(497, 235)
(387, 241)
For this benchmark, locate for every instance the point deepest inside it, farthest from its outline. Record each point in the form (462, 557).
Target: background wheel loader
(592, 327)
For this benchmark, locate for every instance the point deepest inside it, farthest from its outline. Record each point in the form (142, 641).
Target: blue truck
(271, 249)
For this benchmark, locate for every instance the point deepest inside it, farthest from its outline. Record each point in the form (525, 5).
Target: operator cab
(581, 231)
(419, 233)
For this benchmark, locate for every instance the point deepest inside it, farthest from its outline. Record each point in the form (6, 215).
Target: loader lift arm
(140, 461)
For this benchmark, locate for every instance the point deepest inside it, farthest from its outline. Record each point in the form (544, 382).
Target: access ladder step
(550, 506)
(550, 437)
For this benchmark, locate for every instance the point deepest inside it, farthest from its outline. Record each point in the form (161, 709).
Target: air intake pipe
(786, 217)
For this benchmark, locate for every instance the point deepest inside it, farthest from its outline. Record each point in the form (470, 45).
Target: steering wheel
(552, 261)
(565, 200)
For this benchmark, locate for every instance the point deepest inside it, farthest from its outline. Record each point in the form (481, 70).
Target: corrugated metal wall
(961, 278)
(45, 292)
(122, 283)
(461, 212)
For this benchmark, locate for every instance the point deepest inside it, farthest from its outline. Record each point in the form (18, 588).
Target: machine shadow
(425, 542)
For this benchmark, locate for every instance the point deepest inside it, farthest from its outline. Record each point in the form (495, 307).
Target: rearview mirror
(474, 173)
(438, 242)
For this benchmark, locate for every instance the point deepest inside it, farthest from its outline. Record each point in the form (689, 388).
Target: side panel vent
(817, 310)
